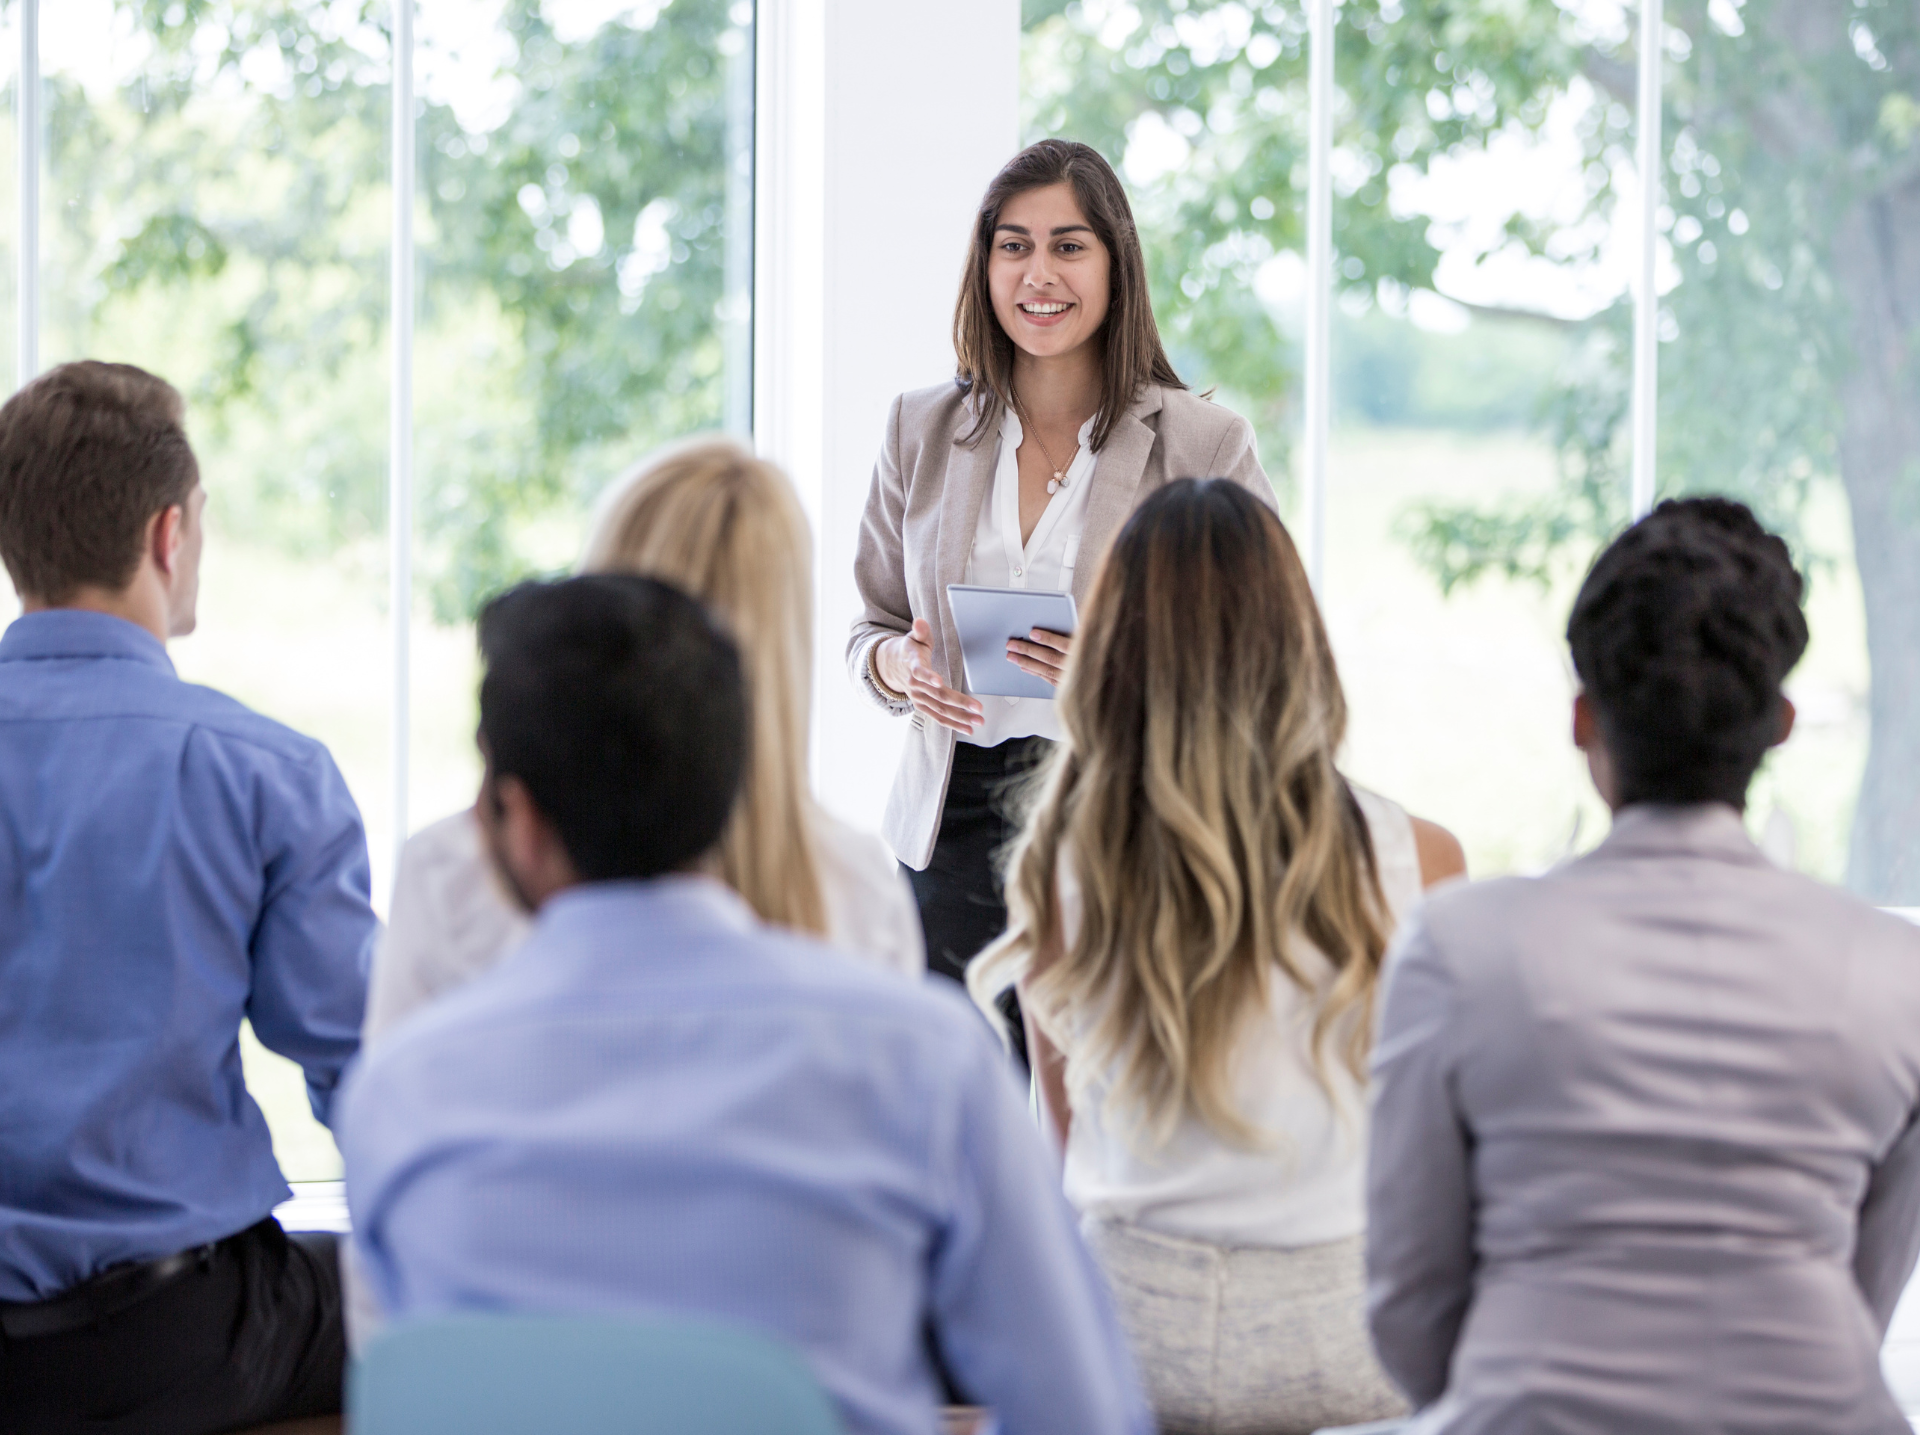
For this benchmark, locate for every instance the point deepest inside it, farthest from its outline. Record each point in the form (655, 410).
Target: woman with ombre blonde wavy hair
(1199, 907)
(710, 518)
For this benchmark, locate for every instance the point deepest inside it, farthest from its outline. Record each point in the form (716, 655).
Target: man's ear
(525, 833)
(1586, 726)
(1787, 715)
(166, 532)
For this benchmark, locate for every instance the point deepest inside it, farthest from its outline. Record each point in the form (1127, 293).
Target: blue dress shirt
(170, 862)
(658, 1106)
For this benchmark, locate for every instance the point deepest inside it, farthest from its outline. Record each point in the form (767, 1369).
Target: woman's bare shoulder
(1442, 858)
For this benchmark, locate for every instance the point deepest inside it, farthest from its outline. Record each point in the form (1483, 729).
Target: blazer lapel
(1116, 481)
(969, 480)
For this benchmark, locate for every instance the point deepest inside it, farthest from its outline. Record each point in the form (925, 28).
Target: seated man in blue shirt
(659, 1106)
(170, 863)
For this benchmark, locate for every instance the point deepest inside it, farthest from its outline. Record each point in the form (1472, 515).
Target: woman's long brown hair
(1196, 800)
(1132, 357)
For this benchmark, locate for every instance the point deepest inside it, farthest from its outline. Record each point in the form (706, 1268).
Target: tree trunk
(1877, 263)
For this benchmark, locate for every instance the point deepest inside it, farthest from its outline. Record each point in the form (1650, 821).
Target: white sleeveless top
(1306, 1184)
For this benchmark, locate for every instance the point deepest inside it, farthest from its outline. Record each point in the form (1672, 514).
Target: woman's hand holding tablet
(906, 666)
(1045, 656)
(999, 661)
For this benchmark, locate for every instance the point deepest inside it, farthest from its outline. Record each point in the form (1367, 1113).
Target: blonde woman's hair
(1196, 799)
(727, 527)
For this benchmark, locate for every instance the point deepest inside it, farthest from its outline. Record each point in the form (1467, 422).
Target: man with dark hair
(171, 864)
(659, 1106)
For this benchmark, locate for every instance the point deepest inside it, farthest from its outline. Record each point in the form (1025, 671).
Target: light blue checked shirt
(170, 863)
(659, 1106)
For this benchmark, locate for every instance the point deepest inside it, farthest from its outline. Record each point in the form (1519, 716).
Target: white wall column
(880, 123)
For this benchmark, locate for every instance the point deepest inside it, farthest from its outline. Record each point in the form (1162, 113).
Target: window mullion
(27, 129)
(400, 438)
(1646, 296)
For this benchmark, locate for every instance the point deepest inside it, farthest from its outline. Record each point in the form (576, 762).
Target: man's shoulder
(926, 1011)
(99, 688)
(830, 1015)
(226, 719)
(768, 971)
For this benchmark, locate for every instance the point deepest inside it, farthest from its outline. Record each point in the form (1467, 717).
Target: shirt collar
(80, 633)
(1705, 829)
(682, 902)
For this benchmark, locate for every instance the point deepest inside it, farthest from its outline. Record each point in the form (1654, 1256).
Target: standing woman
(1064, 415)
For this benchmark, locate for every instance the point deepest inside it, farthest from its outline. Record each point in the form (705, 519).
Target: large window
(1486, 217)
(217, 206)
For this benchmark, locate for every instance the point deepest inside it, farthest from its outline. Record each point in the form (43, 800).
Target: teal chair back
(582, 1375)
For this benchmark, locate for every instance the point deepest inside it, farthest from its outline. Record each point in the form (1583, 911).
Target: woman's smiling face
(1049, 273)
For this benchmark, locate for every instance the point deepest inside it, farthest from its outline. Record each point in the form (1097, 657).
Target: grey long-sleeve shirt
(1644, 1148)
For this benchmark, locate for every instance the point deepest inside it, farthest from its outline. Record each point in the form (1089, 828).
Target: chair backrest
(582, 1375)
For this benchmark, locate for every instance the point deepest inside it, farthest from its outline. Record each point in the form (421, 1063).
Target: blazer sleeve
(880, 569)
(1420, 1252)
(1889, 1236)
(1238, 458)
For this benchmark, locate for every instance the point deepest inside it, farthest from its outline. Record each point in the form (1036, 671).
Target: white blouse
(1307, 1184)
(450, 920)
(1045, 561)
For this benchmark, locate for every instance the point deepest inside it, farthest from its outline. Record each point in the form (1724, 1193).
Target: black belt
(106, 1294)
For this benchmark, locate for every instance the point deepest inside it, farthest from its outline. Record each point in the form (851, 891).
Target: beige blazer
(1646, 1145)
(917, 535)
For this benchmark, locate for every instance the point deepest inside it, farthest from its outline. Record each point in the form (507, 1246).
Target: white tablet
(987, 617)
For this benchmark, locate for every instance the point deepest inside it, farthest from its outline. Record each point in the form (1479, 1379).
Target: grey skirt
(1246, 1340)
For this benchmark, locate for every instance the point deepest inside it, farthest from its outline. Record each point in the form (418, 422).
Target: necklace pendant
(1053, 486)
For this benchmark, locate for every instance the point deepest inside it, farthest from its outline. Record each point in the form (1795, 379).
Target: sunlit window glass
(1479, 385)
(586, 263)
(217, 209)
(1791, 287)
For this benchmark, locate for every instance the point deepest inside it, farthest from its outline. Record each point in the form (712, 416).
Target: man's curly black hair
(1682, 635)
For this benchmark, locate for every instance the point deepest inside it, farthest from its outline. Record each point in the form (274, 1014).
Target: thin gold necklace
(1059, 479)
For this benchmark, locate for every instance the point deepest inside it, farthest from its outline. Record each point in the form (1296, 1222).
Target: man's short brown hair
(89, 453)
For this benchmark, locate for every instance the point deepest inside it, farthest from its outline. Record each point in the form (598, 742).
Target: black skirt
(962, 904)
